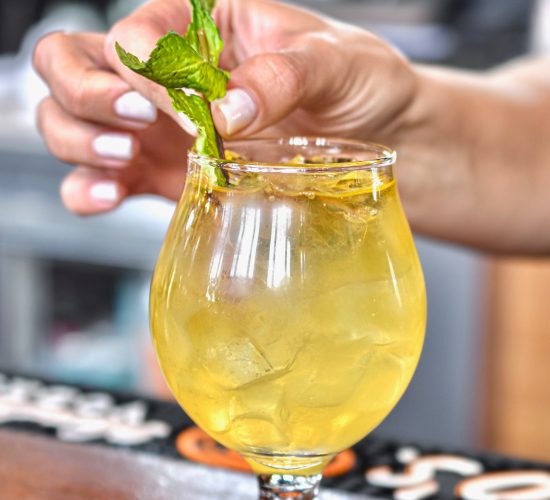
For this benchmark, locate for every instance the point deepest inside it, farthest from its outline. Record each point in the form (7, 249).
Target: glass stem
(286, 486)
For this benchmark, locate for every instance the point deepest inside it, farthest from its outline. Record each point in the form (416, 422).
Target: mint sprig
(174, 64)
(190, 62)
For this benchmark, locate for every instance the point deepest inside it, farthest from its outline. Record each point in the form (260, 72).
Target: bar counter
(62, 442)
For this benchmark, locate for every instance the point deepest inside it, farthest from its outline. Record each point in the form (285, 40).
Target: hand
(95, 120)
(293, 72)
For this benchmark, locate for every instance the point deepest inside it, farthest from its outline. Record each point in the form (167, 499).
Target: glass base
(285, 486)
(269, 463)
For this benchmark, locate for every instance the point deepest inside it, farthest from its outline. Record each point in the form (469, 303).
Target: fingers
(264, 88)
(74, 68)
(79, 142)
(113, 163)
(267, 88)
(87, 191)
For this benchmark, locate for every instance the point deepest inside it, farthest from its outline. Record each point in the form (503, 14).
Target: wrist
(436, 145)
(461, 144)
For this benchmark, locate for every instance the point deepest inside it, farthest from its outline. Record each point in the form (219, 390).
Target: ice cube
(230, 358)
(333, 380)
(258, 433)
(385, 379)
(259, 400)
(271, 336)
(236, 349)
(235, 363)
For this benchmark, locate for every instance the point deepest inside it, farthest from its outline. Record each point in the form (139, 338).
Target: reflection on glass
(247, 241)
(279, 248)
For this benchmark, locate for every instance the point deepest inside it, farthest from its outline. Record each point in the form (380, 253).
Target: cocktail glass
(288, 307)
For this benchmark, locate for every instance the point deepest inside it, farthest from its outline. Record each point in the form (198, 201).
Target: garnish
(190, 62)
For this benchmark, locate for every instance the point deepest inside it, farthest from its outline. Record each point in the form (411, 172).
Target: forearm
(475, 157)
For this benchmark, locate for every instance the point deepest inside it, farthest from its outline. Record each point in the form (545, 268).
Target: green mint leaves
(174, 64)
(197, 110)
(190, 62)
(203, 34)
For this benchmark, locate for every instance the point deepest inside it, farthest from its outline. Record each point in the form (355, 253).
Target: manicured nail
(187, 124)
(238, 109)
(114, 146)
(105, 191)
(133, 106)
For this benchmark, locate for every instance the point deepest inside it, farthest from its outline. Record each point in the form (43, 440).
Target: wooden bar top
(38, 467)
(34, 467)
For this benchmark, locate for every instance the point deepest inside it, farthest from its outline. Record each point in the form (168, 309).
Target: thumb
(263, 90)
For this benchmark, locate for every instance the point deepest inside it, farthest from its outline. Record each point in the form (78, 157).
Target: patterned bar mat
(374, 468)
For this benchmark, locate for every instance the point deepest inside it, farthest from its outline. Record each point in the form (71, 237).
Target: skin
(474, 154)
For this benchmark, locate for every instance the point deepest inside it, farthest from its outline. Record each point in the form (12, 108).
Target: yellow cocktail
(288, 308)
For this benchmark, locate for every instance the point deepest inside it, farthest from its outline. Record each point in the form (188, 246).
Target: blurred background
(74, 292)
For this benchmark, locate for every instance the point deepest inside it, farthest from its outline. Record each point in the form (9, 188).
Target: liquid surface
(288, 320)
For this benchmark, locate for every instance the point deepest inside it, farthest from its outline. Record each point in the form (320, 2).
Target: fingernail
(187, 124)
(133, 106)
(238, 109)
(105, 191)
(114, 146)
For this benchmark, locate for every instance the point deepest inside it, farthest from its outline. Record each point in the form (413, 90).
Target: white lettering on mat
(77, 416)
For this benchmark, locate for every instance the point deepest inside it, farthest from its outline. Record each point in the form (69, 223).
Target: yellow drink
(288, 313)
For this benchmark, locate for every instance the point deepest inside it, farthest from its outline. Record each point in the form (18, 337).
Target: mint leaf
(174, 63)
(202, 34)
(129, 60)
(197, 110)
(191, 62)
(209, 4)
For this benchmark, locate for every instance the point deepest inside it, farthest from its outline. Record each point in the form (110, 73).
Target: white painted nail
(114, 146)
(105, 191)
(238, 109)
(133, 106)
(187, 124)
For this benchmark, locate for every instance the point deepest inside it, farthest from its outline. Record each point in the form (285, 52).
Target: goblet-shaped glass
(288, 307)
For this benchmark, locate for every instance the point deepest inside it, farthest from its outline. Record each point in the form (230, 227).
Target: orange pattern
(193, 443)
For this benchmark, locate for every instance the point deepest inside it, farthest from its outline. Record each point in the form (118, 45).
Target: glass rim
(385, 156)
